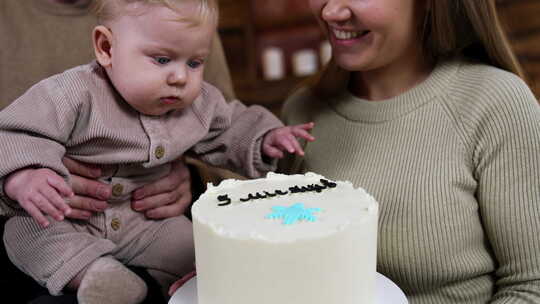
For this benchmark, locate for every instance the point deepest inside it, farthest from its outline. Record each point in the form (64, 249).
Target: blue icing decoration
(293, 214)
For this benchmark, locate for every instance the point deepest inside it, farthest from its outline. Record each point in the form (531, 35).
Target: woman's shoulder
(486, 83)
(481, 95)
(309, 96)
(481, 88)
(298, 103)
(300, 97)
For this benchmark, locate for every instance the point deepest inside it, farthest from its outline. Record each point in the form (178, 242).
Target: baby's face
(158, 61)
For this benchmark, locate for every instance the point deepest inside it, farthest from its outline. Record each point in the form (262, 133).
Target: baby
(140, 106)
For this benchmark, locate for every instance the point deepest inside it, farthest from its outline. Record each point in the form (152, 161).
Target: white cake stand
(387, 292)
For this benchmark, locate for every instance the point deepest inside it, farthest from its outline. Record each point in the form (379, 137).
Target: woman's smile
(349, 38)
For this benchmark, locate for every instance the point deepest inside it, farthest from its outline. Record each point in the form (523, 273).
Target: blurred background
(272, 46)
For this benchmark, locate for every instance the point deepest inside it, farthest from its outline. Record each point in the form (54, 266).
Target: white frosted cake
(285, 239)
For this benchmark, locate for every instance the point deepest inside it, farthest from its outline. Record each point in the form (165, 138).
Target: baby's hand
(39, 192)
(283, 139)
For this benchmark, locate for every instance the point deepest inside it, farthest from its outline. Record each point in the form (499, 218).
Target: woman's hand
(164, 198)
(90, 194)
(167, 197)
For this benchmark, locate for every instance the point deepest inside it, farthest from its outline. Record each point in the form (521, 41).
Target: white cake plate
(387, 292)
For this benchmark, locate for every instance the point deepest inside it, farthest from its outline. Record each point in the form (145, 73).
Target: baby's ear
(102, 39)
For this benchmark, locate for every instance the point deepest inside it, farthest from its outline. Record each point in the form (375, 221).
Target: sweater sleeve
(234, 140)
(507, 164)
(33, 131)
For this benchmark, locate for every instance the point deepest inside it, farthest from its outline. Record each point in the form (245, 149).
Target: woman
(422, 106)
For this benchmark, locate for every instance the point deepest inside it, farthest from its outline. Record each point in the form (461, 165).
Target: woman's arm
(507, 162)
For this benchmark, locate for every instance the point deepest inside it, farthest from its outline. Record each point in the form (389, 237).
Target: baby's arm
(284, 139)
(39, 192)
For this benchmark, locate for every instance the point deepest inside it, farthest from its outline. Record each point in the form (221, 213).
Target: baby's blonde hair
(107, 10)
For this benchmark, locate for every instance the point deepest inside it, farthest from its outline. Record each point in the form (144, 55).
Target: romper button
(159, 152)
(115, 224)
(117, 189)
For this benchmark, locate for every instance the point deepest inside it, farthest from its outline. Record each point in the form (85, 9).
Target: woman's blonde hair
(468, 28)
(106, 10)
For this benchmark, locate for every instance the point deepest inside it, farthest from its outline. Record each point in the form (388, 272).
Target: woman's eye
(162, 60)
(194, 64)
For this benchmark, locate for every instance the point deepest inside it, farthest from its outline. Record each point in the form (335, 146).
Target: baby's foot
(109, 281)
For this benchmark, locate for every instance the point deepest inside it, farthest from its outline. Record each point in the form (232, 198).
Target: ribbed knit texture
(455, 166)
(80, 115)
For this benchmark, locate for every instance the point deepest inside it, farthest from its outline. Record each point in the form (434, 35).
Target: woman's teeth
(344, 35)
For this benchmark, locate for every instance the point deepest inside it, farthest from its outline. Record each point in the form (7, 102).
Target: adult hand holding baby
(167, 197)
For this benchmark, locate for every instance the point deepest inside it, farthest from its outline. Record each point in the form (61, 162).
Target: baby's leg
(171, 254)
(66, 256)
(52, 256)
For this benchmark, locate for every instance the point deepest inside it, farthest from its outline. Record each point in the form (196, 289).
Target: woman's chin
(353, 64)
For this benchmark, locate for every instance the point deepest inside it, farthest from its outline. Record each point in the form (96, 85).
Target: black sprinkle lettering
(294, 189)
(305, 189)
(327, 183)
(224, 198)
(268, 194)
(318, 188)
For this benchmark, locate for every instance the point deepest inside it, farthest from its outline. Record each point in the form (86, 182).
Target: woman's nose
(336, 11)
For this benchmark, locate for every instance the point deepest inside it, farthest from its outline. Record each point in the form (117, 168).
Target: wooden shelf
(248, 27)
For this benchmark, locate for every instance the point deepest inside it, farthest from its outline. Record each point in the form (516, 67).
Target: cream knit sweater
(455, 166)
